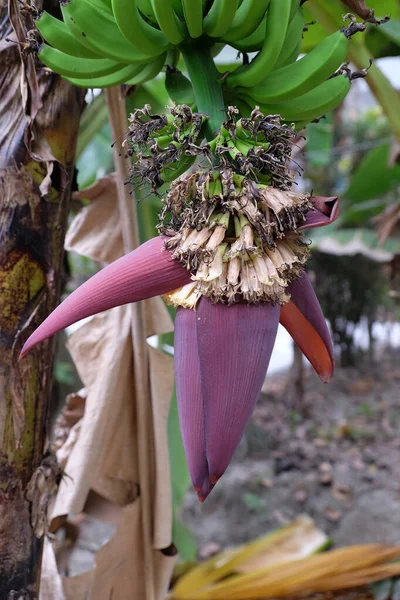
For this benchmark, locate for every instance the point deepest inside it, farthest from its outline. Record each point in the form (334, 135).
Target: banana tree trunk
(39, 119)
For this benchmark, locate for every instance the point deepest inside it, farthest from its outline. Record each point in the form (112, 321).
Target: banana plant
(230, 254)
(328, 17)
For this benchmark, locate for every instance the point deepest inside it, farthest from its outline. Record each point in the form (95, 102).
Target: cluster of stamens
(232, 225)
(239, 243)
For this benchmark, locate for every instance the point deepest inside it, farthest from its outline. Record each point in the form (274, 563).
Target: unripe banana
(220, 17)
(247, 18)
(292, 45)
(149, 72)
(254, 41)
(170, 25)
(56, 33)
(135, 30)
(121, 76)
(177, 6)
(193, 13)
(73, 66)
(320, 100)
(277, 24)
(145, 7)
(295, 6)
(98, 30)
(298, 78)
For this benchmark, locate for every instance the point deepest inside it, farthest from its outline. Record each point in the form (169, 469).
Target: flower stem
(207, 86)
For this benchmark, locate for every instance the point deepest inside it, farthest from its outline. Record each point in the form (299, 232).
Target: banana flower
(222, 351)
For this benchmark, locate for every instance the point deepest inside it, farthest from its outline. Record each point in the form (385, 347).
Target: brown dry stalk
(130, 231)
(359, 7)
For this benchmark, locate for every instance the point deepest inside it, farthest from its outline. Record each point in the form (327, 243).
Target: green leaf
(179, 471)
(396, 589)
(94, 117)
(384, 40)
(384, 7)
(153, 92)
(320, 142)
(64, 372)
(314, 34)
(336, 10)
(374, 177)
(184, 540)
(96, 159)
(382, 589)
(361, 212)
(179, 87)
(180, 481)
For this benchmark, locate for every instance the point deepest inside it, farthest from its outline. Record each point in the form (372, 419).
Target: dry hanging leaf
(100, 451)
(96, 231)
(358, 7)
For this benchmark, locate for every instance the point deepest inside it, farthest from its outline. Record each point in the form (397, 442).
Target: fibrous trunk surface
(39, 119)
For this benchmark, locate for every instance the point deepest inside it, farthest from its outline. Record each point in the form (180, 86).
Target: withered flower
(231, 257)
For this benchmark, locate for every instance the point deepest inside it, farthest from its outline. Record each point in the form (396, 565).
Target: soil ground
(335, 457)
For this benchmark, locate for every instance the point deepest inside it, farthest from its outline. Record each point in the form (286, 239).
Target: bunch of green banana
(237, 143)
(298, 90)
(165, 146)
(301, 110)
(100, 43)
(75, 49)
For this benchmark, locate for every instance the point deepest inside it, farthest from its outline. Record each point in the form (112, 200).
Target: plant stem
(130, 233)
(207, 86)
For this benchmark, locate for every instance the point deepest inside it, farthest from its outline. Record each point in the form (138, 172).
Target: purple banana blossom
(222, 352)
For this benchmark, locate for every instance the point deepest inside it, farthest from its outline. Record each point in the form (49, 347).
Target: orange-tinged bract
(222, 351)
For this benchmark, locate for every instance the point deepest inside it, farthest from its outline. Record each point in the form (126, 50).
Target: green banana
(277, 24)
(320, 100)
(145, 7)
(98, 30)
(253, 42)
(73, 66)
(177, 6)
(220, 17)
(170, 25)
(135, 29)
(193, 14)
(299, 77)
(149, 72)
(121, 76)
(56, 33)
(103, 5)
(294, 37)
(247, 18)
(295, 6)
(245, 145)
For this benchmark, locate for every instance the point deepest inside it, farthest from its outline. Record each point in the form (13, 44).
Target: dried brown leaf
(96, 231)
